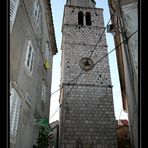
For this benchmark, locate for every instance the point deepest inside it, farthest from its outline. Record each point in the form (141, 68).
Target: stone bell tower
(87, 117)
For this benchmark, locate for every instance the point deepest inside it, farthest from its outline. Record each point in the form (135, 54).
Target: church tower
(87, 117)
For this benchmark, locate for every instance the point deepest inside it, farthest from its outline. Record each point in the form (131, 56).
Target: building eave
(121, 74)
(50, 26)
(118, 39)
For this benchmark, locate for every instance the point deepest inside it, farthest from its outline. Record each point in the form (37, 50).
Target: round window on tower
(86, 63)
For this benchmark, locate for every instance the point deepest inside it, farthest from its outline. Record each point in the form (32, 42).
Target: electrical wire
(102, 34)
(116, 47)
(76, 78)
(99, 60)
(56, 91)
(65, 97)
(90, 54)
(94, 65)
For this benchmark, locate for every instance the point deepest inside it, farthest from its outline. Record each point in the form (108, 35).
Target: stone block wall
(87, 117)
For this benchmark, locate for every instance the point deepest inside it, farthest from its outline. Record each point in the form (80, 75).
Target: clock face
(86, 63)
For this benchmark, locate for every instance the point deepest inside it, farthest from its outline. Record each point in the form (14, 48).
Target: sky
(57, 12)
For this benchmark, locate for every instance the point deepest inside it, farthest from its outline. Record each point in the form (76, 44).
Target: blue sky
(57, 12)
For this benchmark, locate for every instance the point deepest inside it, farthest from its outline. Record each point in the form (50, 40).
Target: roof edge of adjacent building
(50, 27)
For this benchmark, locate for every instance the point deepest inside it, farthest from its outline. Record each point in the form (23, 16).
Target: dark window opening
(88, 19)
(80, 18)
(126, 136)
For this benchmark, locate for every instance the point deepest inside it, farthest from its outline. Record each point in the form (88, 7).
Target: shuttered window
(43, 96)
(29, 56)
(47, 53)
(15, 103)
(29, 98)
(47, 56)
(37, 11)
(13, 11)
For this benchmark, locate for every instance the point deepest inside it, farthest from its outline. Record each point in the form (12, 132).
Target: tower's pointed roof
(81, 3)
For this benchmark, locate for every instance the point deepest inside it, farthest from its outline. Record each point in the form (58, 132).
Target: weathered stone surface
(87, 114)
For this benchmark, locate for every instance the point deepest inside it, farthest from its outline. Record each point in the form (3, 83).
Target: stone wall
(87, 117)
(25, 27)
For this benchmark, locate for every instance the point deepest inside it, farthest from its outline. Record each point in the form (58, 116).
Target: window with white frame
(13, 11)
(47, 56)
(37, 11)
(43, 95)
(30, 54)
(15, 103)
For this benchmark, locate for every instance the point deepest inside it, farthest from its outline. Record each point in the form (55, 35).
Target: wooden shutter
(32, 60)
(15, 103)
(13, 10)
(36, 10)
(47, 56)
(43, 96)
(28, 52)
(30, 55)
